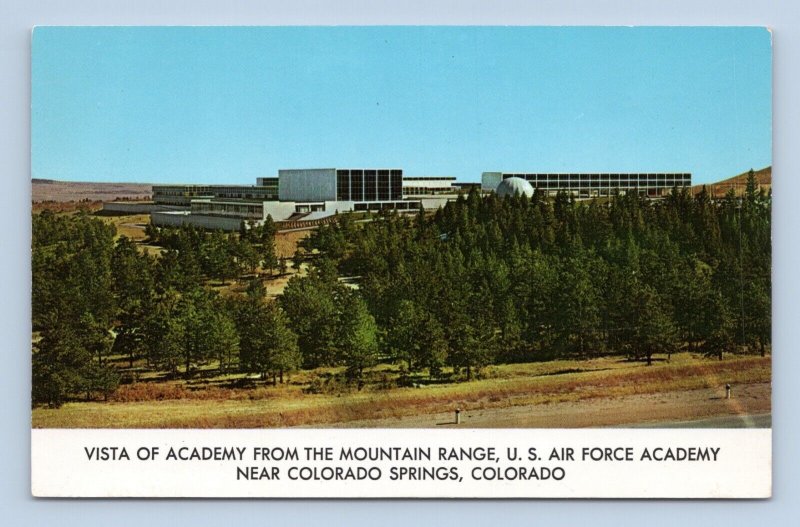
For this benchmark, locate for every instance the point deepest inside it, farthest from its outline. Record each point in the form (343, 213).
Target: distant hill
(737, 183)
(65, 191)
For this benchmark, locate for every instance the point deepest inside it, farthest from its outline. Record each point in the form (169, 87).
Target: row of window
(608, 184)
(586, 192)
(236, 210)
(431, 179)
(369, 185)
(600, 177)
(429, 191)
(394, 205)
(182, 194)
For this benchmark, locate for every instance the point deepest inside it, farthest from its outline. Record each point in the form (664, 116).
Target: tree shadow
(572, 370)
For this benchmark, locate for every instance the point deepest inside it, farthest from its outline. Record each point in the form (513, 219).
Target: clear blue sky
(227, 105)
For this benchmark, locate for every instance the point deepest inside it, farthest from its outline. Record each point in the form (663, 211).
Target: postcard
(401, 261)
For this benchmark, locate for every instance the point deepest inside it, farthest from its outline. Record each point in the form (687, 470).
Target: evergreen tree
(164, 333)
(310, 304)
(357, 337)
(208, 333)
(64, 368)
(577, 316)
(268, 346)
(653, 330)
(718, 324)
(60, 363)
(416, 338)
(247, 256)
(134, 287)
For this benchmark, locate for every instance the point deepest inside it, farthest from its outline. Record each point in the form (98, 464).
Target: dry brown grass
(737, 183)
(176, 405)
(61, 207)
(148, 391)
(75, 191)
(286, 242)
(131, 226)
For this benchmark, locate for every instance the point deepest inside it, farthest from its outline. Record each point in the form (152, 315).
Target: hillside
(66, 191)
(738, 183)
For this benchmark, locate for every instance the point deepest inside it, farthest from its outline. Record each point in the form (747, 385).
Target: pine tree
(357, 337)
(718, 324)
(310, 304)
(653, 329)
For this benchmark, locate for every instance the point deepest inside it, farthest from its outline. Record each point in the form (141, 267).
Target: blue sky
(227, 105)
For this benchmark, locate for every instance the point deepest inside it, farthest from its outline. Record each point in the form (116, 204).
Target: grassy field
(133, 225)
(217, 402)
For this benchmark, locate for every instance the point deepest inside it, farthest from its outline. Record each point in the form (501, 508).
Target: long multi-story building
(594, 184)
(300, 194)
(422, 186)
(182, 195)
(317, 193)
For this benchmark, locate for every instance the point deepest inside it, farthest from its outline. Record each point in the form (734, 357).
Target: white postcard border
(733, 463)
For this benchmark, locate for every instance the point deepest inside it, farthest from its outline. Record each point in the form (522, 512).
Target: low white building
(303, 195)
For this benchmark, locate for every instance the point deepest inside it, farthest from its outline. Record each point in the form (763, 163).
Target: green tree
(134, 288)
(691, 293)
(758, 321)
(269, 256)
(357, 337)
(247, 256)
(208, 333)
(403, 335)
(653, 330)
(267, 346)
(102, 380)
(751, 187)
(220, 338)
(718, 326)
(59, 365)
(311, 305)
(152, 233)
(433, 345)
(416, 337)
(163, 333)
(265, 236)
(219, 260)
(64, 368)
(577, 305)
(469, 346)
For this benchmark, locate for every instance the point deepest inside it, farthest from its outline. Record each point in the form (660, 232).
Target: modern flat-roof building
(337, 184)
(267, 182)
(182, 195)
(300, 195)
(418, 186)
(594, 184)
(311, 194)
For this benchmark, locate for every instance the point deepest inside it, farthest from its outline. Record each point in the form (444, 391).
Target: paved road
(704, 408)
(726, 421)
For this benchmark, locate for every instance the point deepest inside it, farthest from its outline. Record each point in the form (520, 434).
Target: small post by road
(727, 391)
(458, 416)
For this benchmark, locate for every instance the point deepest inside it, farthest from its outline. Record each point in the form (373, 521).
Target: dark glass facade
(369, 185)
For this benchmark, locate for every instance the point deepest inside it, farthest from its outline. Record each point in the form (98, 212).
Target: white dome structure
(513, 186)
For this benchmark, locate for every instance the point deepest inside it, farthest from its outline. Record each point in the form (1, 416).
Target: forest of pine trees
(482, 281)
(488, 280)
